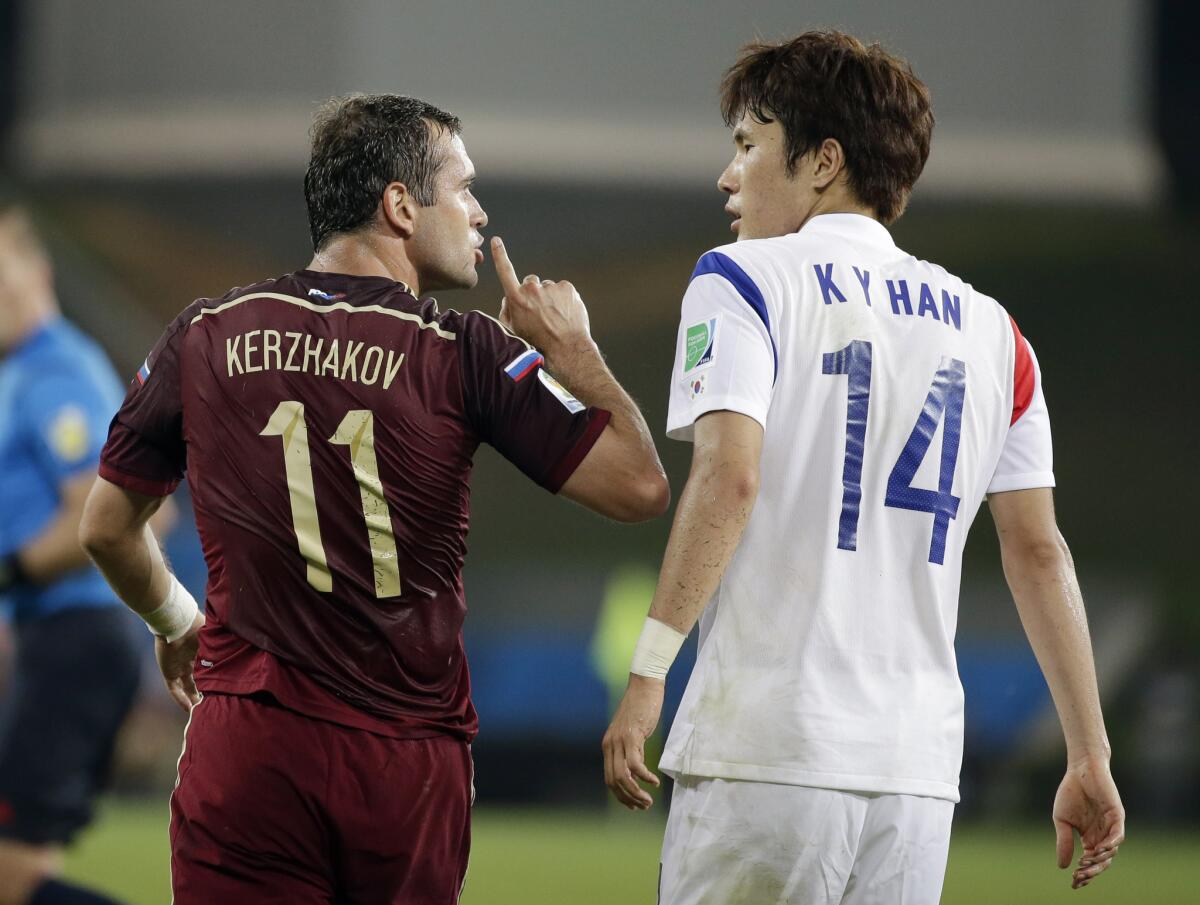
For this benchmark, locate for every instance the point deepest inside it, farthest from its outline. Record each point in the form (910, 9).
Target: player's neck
(837, 200)
(26, 322)
(360, 256)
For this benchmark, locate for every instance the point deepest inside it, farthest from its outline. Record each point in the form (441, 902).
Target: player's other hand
(177, 662)
(550, 316)
(1088, 803)
(625, 742)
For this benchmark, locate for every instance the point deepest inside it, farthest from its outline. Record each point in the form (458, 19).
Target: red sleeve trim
(575, 455)
(144, 486)
(1023, 375)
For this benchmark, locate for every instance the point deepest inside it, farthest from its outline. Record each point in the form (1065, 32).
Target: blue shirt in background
(58, 393)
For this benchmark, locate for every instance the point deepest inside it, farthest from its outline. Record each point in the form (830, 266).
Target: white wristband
(656, 649)
(174, 618)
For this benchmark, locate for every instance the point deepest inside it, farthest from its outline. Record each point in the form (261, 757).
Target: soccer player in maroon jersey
(327, 421)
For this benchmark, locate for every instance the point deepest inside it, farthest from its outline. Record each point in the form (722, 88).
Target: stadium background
(162, 145)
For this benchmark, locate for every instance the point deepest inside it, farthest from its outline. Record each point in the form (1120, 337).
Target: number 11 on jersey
(944, 403)
(356, 431)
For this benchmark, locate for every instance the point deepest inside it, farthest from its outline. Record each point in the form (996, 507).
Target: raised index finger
(504, 269)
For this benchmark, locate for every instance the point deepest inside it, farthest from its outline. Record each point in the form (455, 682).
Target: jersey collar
(857, 226)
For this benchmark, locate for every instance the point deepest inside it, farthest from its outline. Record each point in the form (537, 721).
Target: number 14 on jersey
(943, 403)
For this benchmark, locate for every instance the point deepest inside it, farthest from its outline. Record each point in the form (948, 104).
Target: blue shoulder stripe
(724, 266)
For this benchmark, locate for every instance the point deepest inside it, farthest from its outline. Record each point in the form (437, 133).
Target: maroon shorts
(275, 807)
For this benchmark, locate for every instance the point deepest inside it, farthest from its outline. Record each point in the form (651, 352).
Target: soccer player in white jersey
(850, 407)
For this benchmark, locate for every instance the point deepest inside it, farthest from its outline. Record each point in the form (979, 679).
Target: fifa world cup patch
(700, 344)
(569, 402)
(524, 364)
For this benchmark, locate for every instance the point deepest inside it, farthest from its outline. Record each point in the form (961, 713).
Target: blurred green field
(531, 857)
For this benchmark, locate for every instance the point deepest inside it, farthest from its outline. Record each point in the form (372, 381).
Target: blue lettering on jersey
(899, 294)
(864, 280)
(898, 290)
(927, 303)
(825, 281)
(951, 309)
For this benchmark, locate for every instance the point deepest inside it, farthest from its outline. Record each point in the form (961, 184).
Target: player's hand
(1088, 803)
(550, 316)
(625, 742)
(177, 662)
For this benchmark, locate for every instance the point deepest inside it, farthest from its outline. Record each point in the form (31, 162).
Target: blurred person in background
(77, 658)
(328, 420)
(817, 749)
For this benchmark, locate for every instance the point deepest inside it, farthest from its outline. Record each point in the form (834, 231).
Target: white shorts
(732, 842)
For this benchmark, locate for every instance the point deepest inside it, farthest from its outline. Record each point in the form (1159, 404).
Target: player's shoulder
(753, 257)
(484, 330)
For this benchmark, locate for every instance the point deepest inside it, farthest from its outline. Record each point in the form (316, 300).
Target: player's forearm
(134, 567)
(582, 370)
(709, 523)
(1042, 578)
(55, 550)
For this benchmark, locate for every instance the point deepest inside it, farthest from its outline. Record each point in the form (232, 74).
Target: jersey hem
(843, 782)
(682, 429)
(1027, 481)
(144, 486)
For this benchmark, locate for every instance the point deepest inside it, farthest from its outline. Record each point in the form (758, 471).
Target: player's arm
(54, 550)
(621, 476)
(709, 521)
(1041, 575)
(115, 531)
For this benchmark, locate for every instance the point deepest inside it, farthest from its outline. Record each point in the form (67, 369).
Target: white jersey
(893, 397)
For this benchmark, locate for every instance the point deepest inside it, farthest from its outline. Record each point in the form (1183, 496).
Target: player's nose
(480, 219)
(726, 182)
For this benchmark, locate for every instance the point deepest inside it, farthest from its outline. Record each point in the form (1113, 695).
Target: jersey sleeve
(145, 451)
(725, 354)
(516, 406)
(1027, 459)
(68, 415)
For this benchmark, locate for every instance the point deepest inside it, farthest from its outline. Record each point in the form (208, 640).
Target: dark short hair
(360, 143)
(826, 84)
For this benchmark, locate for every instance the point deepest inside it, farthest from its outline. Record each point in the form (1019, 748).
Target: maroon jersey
(327, 424)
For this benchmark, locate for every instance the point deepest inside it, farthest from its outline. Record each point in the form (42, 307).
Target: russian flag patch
(143, 372)
(524, 365)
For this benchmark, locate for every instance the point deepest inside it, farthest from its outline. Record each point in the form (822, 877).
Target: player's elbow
(93, 537)
(1037, 553)
(643, 497)
(98, 535)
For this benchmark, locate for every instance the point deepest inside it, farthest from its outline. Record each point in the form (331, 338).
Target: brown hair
(826, 84)
(360, 144)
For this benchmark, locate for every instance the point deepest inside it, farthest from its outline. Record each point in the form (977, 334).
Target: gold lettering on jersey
(295, 338)
(264, 350)
(329, 367)
(312, 353)
(231, 355)
(367, 368)
(271, 339)
(248, 349)
(351, 359)
(393, 366)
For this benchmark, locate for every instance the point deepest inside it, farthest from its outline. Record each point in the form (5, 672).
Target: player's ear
(828, 162)
(399, 209)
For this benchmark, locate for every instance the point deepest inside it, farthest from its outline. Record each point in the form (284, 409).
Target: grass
(531, 857)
